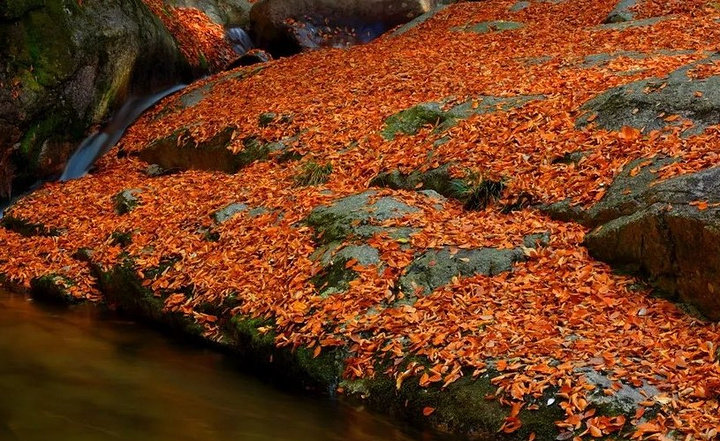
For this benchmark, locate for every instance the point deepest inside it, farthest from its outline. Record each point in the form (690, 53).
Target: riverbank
(382, 223)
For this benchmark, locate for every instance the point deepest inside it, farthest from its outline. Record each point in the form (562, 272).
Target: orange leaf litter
(560, 305)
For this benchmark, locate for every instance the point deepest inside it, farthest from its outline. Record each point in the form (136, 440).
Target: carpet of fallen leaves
(558, 306)
(200, 40)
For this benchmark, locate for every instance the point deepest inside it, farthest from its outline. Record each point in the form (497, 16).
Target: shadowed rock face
(285, 27)
(68, 67)
(669, 231)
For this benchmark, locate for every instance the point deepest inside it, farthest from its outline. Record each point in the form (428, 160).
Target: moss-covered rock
(622, 12)
(442, 117)
(466, 407)
(27, 228)
(313, 173)
(227, 13)
(67, 66)
(126, 201)
(473, 191)
(647, 104)
(490, 26)
(411, 120)
(629, 24)
(336, 274)
(123, 288)
(666, 231)
(417, 21)
(254, 339)
(53, 288)
(181, 151)
(13, 9)
(226, 213)
(266, 118)
(358, 217)
(121, 238)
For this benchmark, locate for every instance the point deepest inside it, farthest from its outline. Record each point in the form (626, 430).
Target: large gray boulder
(668, 231)
(286, 27)
(65, 67)
(659, 102)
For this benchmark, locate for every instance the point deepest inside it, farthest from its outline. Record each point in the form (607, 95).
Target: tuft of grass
(313, 173)
(477, 192)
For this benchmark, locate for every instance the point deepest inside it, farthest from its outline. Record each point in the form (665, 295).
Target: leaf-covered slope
(554, 324)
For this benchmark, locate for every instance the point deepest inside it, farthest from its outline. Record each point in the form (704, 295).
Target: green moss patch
(27, 228)
(53, 288)
(313, 173)
(489, 26)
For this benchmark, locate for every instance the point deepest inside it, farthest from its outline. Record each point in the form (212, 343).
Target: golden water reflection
(71, 375)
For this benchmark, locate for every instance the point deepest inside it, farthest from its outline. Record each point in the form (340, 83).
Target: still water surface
(72, 375)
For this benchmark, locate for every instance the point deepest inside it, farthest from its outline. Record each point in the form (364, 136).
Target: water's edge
(84, 373)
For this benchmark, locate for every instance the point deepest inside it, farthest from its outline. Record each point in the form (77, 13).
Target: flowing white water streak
(99, 143)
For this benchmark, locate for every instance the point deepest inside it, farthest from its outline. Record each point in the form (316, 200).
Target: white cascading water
(99, 143)
(240, 40)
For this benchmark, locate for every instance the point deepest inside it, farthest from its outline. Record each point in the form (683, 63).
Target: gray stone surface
(626, 400)
(228, 212)
(604, 58)
(519, 6)
(126, 201)
(646, 103)
(622, 12)
(193, 98)
(335, 277)
(181, 151)
(624, 25)
(411, 120)
(658, 230)
(474, 194)
(342, 229)
(436, 268)
(356, 217)
(226, 13)
(412, 24)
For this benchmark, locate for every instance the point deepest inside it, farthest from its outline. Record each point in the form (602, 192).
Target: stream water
(81, 375)
(99, 143)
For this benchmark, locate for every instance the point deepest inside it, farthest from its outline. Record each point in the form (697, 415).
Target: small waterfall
(240, 40)
(99, 143)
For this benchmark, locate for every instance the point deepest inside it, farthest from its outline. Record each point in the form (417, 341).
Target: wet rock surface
(285, 27)
(226, 13)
